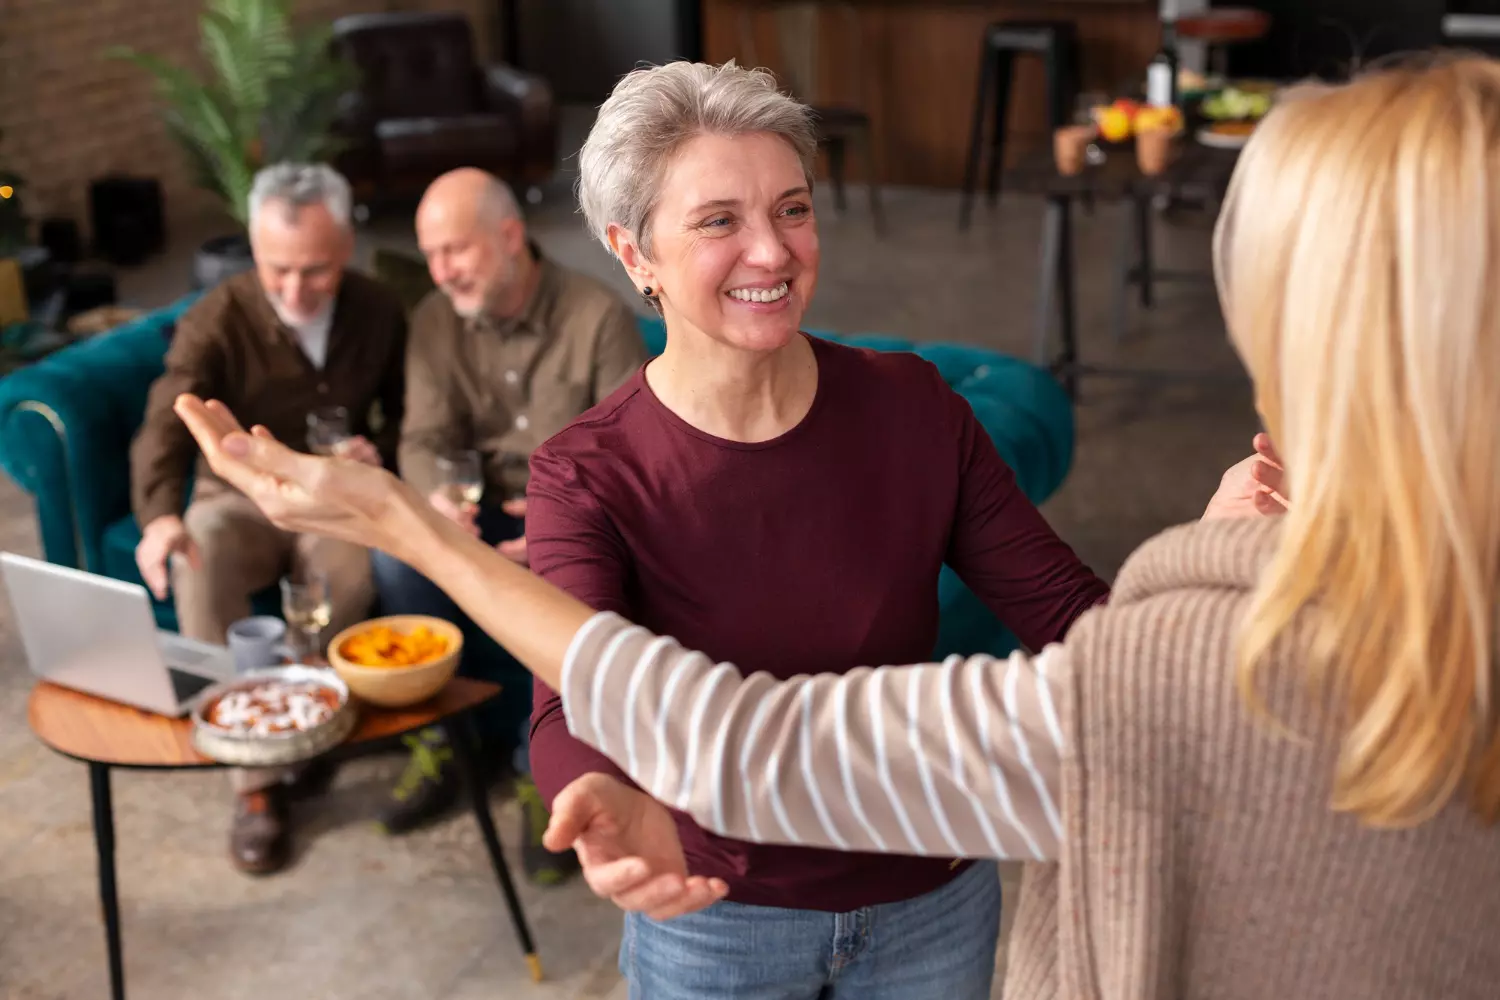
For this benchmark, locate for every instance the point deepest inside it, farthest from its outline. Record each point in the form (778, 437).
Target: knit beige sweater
(1196, 856)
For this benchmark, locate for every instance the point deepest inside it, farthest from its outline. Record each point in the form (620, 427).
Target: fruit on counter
(1124, 118)
(1116, 121)
(1236, 103)
(1114, 124)
(1165, 119)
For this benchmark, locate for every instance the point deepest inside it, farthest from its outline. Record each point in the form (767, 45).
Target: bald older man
(507, 350)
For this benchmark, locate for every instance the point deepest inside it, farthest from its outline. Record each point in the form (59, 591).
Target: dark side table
(106, 735)
(1200, 174)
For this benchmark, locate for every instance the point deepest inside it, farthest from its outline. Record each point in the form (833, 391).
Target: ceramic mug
(256, 642)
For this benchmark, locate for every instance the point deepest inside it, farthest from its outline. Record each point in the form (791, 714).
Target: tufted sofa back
(413, 65)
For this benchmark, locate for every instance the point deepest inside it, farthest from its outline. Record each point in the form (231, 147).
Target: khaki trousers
(240, 553)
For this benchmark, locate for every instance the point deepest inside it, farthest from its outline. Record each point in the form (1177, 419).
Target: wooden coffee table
(105, 735)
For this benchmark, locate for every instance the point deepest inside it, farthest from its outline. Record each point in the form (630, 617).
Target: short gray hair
(649, 116)
(301, 184)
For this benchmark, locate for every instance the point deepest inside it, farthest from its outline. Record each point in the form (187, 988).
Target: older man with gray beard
(301, 333)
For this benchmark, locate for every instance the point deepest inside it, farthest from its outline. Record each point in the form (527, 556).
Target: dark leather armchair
(425, 106)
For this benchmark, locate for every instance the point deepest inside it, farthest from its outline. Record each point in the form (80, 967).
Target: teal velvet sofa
(66, 423)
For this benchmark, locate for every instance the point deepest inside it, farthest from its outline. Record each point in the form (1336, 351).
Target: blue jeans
(403, 591)
(940, 946)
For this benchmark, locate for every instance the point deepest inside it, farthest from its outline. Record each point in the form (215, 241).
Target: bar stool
(1056, 42)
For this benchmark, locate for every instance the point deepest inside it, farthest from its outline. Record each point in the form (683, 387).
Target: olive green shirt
(502, 387)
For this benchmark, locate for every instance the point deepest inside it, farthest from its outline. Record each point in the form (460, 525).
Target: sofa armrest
(527, 99)
(65, 429)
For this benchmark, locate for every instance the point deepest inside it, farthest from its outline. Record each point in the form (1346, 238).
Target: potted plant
(13, 306)
(12, 215)
(272, 95)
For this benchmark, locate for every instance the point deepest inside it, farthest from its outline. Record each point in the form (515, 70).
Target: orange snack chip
(383, 646)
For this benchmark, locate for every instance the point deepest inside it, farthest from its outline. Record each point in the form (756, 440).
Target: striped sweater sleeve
(958, 759)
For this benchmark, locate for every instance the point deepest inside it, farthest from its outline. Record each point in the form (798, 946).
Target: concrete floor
(362, 916)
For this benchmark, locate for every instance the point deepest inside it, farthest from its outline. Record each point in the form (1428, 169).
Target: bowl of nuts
(271, 717)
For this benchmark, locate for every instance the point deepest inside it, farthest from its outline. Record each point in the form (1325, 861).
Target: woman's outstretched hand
(349, 500)
(628, 846)
(1254, 486)
(342, 499)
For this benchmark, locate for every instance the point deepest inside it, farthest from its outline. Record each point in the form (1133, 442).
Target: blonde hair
(1359, 266)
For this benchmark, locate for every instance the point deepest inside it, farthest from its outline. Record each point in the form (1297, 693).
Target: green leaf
(272, 94)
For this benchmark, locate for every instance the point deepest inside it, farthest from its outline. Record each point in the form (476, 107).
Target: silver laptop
(98, 635)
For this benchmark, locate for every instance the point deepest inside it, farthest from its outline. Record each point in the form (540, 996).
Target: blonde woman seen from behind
(1269, 767)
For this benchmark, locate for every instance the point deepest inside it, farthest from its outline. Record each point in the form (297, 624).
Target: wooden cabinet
(913, 65)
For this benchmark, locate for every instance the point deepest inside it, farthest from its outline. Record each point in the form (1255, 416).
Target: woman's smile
(763, 298)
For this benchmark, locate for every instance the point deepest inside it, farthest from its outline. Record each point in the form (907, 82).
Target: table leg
(1052, 229)
(987, 70)
(1125, 273)
(463, 756)
(104, 845)
(1143, 234)
(1065, 291)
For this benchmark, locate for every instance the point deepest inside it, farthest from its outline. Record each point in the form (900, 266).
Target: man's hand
(163, 538)
(515, 549)
(1255, 486)
(459, 513)
(360, 449)
(628, 846)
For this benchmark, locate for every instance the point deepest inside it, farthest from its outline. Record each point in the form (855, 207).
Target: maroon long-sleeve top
(815, 552)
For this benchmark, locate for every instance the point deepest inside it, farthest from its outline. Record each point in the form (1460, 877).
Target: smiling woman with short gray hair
(784, 503)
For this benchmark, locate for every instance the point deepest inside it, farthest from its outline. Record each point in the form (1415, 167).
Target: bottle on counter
(1161, 73)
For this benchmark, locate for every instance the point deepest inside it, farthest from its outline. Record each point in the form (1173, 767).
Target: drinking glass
(327, 430)
(1083, 114)
(1084, 105)
(461, 474)
(307, 607)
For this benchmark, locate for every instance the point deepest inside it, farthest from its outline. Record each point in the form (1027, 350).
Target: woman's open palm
(628, 846)
(303, 493)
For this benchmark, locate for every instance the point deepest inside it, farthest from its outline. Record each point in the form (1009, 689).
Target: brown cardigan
(230, 346)
(1196, 854)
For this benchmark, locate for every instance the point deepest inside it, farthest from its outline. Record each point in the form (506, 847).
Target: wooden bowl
(398, 686)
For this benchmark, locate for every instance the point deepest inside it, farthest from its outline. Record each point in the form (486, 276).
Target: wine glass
(1086, 104)
(461, 475)
(327, 430)
(1084, 109)
(307, 607)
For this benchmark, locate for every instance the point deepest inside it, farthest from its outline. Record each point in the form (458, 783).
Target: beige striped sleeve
(958, 759)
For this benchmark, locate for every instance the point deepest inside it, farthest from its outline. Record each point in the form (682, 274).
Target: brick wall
(68, 115)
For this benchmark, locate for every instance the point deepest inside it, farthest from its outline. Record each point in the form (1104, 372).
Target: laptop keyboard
(186, 656)
(185, 685)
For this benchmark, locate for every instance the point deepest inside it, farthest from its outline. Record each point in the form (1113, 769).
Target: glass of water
(327, 430)
(462, 476)
(308, 608)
